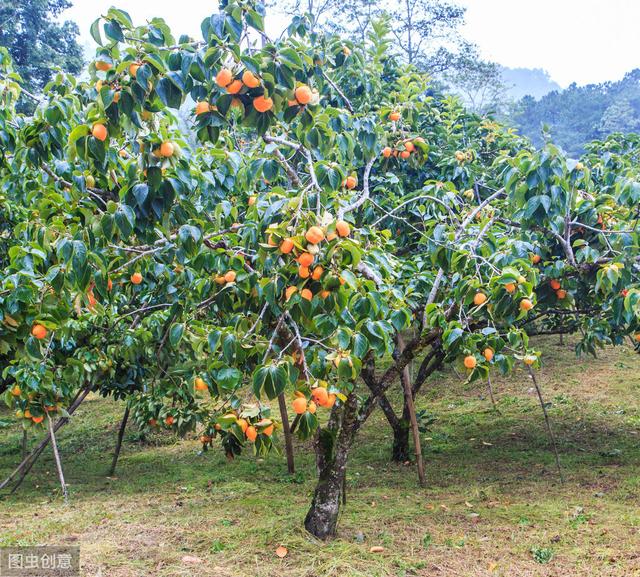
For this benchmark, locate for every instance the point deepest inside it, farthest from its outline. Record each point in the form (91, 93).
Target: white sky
(579, 41)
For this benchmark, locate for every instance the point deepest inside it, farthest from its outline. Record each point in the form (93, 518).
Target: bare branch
(359, 201)
(347, 103)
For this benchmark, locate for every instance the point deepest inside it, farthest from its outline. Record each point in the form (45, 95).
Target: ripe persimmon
(470, 362)
(555, 284)
(290, 291)
(510, 287)
(299, 405)
(488, 354)
(535, 258)
(136, 278)
(305, 259)
(39, 331)
(386, 151)
(251, 433)
(99, 132)
(230, 276)
(303, 271)
(561, 294)
(235, 87)
(479, 298)
(312, 407)
(167, 149)
(286, 246)
(351, 182)
(394, 116)
(262, 104)
(408, 145)
(268, 427)
(133, 69)
(103, 65)
(314, 235)
(37, 420)
(250, 80)
(343, 228)
(317, 273)
(320, 396)
(200, 384)
(405, 154)
(526, 305)
(16, 391)
(306, 294)
(202, 107)
(224, 77)
(303, 94)
(243, 424)
(169, 421)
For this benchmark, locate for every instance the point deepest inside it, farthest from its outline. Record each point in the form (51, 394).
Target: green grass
(493, 506)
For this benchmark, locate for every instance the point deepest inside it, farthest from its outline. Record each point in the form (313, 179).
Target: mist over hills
(577, 114)
(521, 82)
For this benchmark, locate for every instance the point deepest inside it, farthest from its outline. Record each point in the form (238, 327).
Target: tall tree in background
(425, 34)
(425, 30)
(422, 27)
(37, 42)
(477, 81)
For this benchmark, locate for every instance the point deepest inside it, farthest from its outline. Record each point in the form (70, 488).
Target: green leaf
(95, 31)
(125, 220)
(360, 346)
(175, 334)
(214, 340)
(272, 379)
(113, 30)
(169, 93)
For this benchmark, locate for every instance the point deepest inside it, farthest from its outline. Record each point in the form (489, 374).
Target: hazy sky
(574, 40)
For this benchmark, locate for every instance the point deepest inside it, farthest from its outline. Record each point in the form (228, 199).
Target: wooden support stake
(54, 445)
(547, 422)
(24, 444)
(123, 425)
(25, 466)
(490, 387)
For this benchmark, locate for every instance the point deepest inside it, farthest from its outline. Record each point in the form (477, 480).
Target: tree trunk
(400, 428)
(400, 450)
(322, 519)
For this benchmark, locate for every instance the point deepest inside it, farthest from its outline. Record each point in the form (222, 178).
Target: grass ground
(494, 505)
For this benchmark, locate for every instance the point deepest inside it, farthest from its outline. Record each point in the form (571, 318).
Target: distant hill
(527, 82)
(580, 114)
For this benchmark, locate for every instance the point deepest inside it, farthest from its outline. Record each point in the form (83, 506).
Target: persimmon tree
(321, 214)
